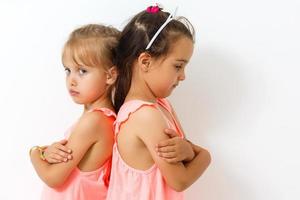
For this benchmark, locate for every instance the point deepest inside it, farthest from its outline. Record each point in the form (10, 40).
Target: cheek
(93, 86)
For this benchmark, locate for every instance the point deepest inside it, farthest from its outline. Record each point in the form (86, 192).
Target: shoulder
(148, 122)
(147, 115)
(92, 124)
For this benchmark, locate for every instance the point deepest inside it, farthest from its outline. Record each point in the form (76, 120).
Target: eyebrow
(182, 60)
(77, 66)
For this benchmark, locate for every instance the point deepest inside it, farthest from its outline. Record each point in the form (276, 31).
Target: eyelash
(178, 67)
(68, 71)
(81, 71)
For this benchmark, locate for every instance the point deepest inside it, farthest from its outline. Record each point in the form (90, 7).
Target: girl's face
(164, 74)
(85, 84)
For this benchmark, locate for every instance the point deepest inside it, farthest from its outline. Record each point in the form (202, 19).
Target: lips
(73, 93)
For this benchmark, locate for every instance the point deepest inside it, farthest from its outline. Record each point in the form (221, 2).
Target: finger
(172, 160)
(167, 155)
(166, 149)
(167, 142)
(63, 141)
(63, 148)
(58, 157)
(170, 132)
(62, 154)
(53, 161)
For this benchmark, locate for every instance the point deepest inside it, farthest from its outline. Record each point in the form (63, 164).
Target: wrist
(41, 151)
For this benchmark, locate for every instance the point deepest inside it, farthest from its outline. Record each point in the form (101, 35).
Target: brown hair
(134, 39)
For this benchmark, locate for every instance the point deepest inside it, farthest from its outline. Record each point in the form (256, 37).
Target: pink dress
(83, 185)
(127, 183)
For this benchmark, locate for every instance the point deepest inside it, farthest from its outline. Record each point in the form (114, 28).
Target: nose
(71, 79)
(182, 76)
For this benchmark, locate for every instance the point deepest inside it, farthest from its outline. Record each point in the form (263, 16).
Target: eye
(82, 71)
(178, 67)
(67, 71)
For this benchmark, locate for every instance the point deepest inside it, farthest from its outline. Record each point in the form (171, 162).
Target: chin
(78, 101)
(164, 95)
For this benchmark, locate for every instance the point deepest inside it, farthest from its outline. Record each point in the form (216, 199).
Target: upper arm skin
(150, 130)
(86, 132)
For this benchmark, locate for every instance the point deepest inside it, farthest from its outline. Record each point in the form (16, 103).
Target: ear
(144, 60)
(111, 76)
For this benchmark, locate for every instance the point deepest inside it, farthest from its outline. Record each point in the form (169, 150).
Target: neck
(139, 89)
(101, 102)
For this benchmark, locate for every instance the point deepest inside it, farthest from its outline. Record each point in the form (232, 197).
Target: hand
(175, 149)
(57, 152)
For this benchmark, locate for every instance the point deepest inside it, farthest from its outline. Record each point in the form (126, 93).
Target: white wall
(240, 99)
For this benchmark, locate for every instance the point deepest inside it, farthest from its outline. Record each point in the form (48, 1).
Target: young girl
(153, 51)
(90, 73)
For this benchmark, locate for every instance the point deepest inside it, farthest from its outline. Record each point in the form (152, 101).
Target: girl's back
(133, 165)
(89, 180)
(153, 51)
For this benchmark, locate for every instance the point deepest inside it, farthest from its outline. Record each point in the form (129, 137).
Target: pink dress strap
(106, 111)
(127, 109)
(174, 123)
(134, 105)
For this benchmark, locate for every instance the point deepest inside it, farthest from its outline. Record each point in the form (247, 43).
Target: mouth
(73, 93)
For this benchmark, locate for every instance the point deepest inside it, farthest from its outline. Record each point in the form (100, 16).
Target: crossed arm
(180, 161)
(84, 135)
(178, 175)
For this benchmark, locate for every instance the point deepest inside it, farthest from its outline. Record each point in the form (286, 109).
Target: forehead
(69, 60)
(76, 54)
(182, 49)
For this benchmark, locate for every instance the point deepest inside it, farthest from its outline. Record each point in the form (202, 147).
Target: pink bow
(153, 9)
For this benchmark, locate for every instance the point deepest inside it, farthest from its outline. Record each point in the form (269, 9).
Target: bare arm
(57, 152)
(150, 127)
(175, 149)
(83, 136)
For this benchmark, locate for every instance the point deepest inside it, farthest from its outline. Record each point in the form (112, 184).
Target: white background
(240, 98)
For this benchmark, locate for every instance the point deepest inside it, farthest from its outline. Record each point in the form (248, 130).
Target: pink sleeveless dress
(83, 185)
(127, 183)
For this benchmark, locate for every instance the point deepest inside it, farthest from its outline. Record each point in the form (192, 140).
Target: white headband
(170, 18)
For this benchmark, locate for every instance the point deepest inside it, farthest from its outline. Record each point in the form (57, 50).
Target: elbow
(204, 154)
(184, 182)
(207, 156)
(179, 186)
(52, 182)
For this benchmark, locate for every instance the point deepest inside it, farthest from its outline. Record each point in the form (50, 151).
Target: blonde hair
(92, 45)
